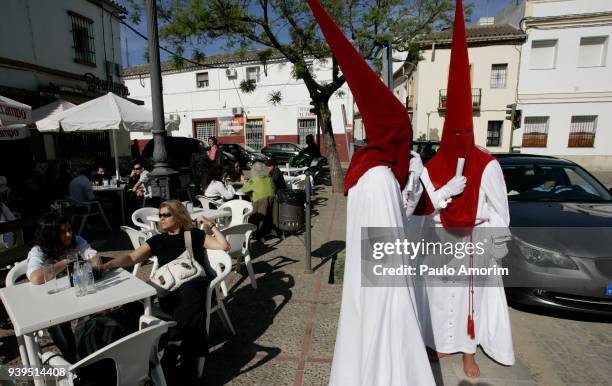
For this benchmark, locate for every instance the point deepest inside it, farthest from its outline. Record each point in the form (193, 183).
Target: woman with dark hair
(187, 304)
(55, 247)
(213, 152)
(214, 188)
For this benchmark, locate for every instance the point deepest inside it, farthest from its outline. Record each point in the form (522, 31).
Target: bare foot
(470, 368)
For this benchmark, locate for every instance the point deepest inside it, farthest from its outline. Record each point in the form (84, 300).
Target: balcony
(535, 139)
(476, 99)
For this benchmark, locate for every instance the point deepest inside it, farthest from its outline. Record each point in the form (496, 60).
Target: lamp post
(161, 169)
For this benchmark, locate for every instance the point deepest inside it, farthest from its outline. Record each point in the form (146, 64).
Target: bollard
(308, 262)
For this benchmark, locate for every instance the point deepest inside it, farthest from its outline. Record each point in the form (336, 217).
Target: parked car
(180, 150)
(426, 149)
(242, 153)
(281, 151)
(561, 222)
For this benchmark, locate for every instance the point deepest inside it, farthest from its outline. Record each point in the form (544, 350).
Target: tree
(288, 27)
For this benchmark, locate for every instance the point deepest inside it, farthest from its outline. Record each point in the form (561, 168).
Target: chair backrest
(139, 218)
(131, 354)
(16, 272)
(136, 237)
(238, 237)
(221, 262)
(208, 203)
(241, 210)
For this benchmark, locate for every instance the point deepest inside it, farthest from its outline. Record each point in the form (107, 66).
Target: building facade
(209, 101)
(494, 54)
(565, 83)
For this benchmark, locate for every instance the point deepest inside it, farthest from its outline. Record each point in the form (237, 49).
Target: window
(582, 131)
(593, 51)
(252, 73)
(494, 132)
(82, 39)
(202, 79)
(305, 127)
(205, 129)
(543, 54)
(498, 75)
(536, 132)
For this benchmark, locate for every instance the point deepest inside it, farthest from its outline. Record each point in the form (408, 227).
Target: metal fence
(582, 131)
(255, 133)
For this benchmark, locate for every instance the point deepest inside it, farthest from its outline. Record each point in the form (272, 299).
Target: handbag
(169, 277)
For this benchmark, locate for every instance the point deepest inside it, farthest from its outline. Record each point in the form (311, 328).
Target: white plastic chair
(127, 353)
(138, 238)
(221, 262)
(18, 270)
(93, 208)
(241, 210)
(209, 203)
(238, 236)
(139, 218)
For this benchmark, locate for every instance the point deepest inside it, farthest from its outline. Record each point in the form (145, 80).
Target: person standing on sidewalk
(459, 318)
(378, 340)
(214, 155)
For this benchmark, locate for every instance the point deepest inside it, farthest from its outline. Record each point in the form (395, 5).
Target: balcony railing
(535, 139)
(581, 139)
(476, 99)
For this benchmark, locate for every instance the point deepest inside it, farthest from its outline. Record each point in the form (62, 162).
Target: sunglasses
(138, 168)
(165, 215)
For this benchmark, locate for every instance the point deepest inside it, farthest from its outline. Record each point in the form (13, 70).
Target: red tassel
(470, 329)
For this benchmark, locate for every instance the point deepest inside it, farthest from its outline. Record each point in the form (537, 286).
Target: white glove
(454, 187)
(416, 165)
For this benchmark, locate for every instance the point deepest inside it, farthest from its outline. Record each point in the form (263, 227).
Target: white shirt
(145, 184)
(38, 260)
(216, 189)
(80, 189)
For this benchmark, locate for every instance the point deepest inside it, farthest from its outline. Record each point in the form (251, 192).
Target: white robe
(443, 311)
(378, 340)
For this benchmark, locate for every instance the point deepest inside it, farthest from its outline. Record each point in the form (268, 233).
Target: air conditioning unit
(231, 72)
(237, 111)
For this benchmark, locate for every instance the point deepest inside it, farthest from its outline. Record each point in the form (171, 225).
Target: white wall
(183, 97)
(432, 76)
(39, 32)
(568, 90)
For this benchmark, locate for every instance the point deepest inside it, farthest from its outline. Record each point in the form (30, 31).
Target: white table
(31, 308)
(240, 194)
(117, 189)
(211, 214)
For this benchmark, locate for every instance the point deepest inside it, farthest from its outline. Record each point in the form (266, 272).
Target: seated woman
(55, 246)
(215, 189)
(234, 176)
(187, 304)
(262, 189)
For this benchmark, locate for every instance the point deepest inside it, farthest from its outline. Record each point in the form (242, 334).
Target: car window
(541, 182)
(248, 148)
(288, 147)
(274, 146)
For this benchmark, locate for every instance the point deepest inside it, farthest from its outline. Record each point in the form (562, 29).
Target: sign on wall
(231, 126)
(14, 133)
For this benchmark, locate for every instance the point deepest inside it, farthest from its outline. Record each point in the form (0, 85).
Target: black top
(279, 180)
(168, 247)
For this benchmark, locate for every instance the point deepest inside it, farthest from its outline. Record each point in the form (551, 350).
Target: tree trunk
(335, 169)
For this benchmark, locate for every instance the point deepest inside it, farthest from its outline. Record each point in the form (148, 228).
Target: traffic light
(315, 108)
(513, 115)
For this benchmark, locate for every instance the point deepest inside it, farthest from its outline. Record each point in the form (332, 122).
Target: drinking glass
(51, 280)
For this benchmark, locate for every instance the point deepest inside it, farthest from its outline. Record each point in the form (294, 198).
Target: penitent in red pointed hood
(388, 131)
(457, 138)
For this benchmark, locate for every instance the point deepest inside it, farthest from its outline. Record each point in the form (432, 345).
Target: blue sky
(136, 45)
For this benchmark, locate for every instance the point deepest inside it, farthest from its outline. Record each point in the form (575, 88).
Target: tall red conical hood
(388, 131)
(457, 138)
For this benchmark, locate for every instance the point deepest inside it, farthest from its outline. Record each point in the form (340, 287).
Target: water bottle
(88, 277)
(77, 279)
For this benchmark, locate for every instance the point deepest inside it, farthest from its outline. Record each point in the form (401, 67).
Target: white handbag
(169, 277)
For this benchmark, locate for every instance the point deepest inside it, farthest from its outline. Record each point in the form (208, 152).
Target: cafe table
(31, 308)
(211, 214)
(288, 171)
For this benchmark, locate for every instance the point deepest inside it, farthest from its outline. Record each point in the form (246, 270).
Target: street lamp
(160, 184)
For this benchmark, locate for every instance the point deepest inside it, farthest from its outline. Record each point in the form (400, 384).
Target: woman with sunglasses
(187, 304)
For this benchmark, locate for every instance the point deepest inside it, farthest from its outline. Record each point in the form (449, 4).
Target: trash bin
(291, 210)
